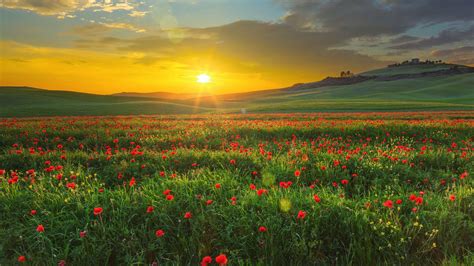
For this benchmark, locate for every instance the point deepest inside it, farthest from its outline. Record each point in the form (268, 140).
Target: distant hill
(160, 95)
(401, 88)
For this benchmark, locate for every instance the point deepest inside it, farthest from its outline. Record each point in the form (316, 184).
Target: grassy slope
(406, 70)
(429, 93)
(35, 102)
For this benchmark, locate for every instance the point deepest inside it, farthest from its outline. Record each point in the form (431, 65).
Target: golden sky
(115, 46)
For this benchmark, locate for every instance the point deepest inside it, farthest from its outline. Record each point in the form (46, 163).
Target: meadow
(260, 189)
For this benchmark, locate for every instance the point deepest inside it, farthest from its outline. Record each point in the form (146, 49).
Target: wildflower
(166, 192)
(316, 198)
(452, 197)
(388, 204)
(71, 185)
(218, 186)
(159, 233)
(82, 234)
(149, 209)
(399, 201)
(33, 212)
(301, 215)
(188, 215)
(297, 173)
(21, 259)
(40, 228)
(221, 259)
(132, 182)
(262, 229)
(252, 187)
(169, 197)
(206, 260)
(209, 202)
(97, 211)
(344, 182)
(261, 191)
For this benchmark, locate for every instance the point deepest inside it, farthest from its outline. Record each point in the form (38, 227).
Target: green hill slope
(393, 91)
(24, 101)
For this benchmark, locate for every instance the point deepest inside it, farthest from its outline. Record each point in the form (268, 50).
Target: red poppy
(33, 212)
(206, 260)
(40, 228)
(252, 187)
(2, 172)
(82, 234)
(132, 182)
(399, 201)
(297, 173)
(261, 191)
(169, 197)
(166, 192)
(209, 202)
(221, 259)
(419, 201)
(159, 233)
(344, 181)
(388, 204)
(232, 162)
(218, 185)
(97, 211)
(301, 215)
(452, 197)
(149, 209)
(188, 215)
(262, 229)
(316, 198)
(21, 259)
(71, 185)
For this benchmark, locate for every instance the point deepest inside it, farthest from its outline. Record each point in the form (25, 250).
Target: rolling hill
(423, 87)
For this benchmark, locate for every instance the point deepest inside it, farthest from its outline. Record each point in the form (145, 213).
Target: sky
(111, 46)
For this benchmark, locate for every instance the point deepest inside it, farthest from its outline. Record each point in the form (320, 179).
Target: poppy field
(263, 189)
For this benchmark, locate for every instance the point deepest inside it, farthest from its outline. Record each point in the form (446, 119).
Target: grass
(407, 69)
(355, 162)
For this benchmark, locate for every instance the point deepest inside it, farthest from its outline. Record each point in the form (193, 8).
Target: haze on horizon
(110, 46)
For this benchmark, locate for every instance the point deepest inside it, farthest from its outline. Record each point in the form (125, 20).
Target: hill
(404, 88)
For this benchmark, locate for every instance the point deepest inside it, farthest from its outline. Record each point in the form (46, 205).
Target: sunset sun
(203, 78)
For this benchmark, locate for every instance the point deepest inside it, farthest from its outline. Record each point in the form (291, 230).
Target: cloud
(273, 50)
(100, 28)
(62, 8)
(355, 18)
(461, 55)
(444, 37)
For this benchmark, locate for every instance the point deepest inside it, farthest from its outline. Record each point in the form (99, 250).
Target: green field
(266, 189)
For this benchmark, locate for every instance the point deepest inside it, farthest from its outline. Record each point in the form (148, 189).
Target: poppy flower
(209, 202)
(82, 234)
(301, 215)
(71, 185)
(388, 204)
(188, 215)
(159, 233)
(399, 201)
(261, 191)
(419, 201)
(218, 185)
(297, 173)
(97, 211)
(221, 259)
(33, 212)
(132, 182)
(2, 172)
(316, 198)
(262, 229)
(344, 181)
(149, 209)
(169, 197)
(252, 187)
(21, 259)
(40, 228)
(166, 192)
(452, 197)
(206, 260)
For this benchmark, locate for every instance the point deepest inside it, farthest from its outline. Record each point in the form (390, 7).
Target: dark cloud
(353, 18)
(444, 37)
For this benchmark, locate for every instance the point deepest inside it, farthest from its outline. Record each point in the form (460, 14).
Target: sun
(203, 78)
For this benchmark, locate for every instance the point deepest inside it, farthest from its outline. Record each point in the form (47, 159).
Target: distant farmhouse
(416, 61)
